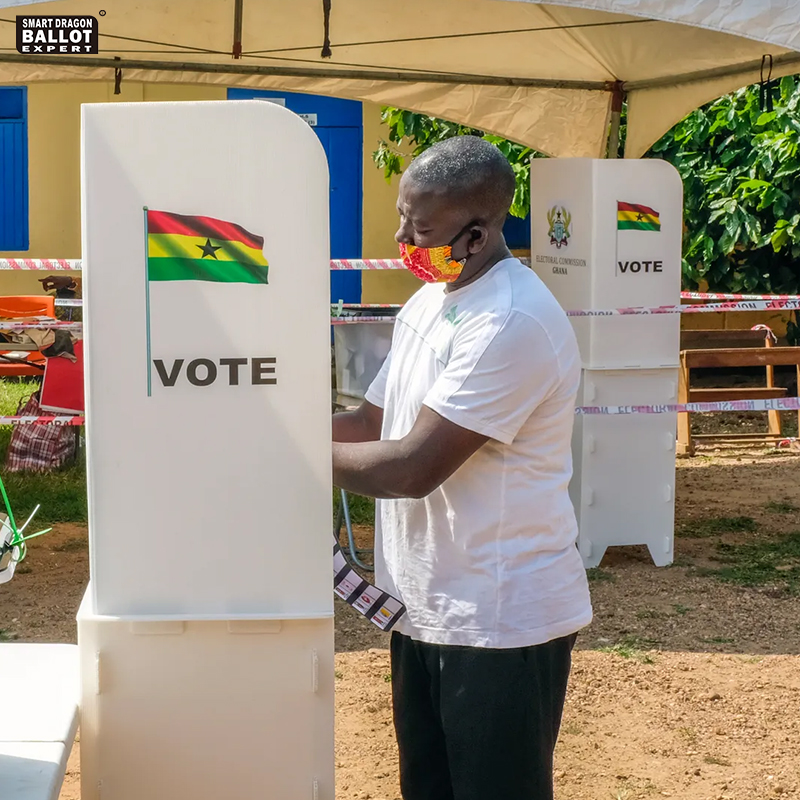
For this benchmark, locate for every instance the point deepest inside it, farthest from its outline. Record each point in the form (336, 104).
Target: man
(465, 438)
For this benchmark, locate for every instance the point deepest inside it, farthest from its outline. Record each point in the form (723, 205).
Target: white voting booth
(606, 234)
(206, 633)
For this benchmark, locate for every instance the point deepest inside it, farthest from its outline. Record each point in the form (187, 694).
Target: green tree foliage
(417, 133)
(740, 167)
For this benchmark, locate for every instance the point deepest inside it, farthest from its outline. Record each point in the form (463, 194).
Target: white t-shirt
(489, 558)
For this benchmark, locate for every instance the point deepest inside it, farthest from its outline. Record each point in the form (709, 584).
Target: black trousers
(476, 723)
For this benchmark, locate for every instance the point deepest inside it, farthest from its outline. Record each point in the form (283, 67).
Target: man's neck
(500, 253)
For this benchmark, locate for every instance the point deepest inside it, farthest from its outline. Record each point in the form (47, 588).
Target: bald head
(466, 171)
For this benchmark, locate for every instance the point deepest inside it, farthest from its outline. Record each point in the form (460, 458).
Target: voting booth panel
(208, 395)
(623, 489)
(607, 234)
(206, 709)
(206, 632)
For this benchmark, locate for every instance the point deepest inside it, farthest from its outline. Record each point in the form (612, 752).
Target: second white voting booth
(206, 634)
(606, 235)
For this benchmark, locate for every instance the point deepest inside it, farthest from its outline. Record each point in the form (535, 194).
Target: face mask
(434, 264)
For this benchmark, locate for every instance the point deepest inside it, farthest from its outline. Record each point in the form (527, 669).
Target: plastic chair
(20, 307)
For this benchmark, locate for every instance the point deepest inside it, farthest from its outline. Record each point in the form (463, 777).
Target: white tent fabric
(543, 74)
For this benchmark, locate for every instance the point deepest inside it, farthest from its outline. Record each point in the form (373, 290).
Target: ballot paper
(379, 607)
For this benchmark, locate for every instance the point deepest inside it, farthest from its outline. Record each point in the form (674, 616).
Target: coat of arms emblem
(560, 219)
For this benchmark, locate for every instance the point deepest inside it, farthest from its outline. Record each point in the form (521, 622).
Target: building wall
(54, 157)
(381, 222)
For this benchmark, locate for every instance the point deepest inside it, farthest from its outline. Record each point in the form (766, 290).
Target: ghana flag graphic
(632, 217)
(183, 248)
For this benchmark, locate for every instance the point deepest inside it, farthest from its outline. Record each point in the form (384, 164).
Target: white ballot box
(623, 488)
(606, 237)
(205, 708)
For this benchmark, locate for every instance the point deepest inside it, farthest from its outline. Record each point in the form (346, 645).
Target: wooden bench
(38, 718)
(729, 356)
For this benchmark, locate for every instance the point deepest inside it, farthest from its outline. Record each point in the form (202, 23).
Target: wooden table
(38, 718)
(727, 358)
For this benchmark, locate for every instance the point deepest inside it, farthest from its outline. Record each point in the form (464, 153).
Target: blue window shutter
(13, 168)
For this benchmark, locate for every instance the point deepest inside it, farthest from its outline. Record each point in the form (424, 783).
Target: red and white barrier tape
(723, 296)
(13, 325)
(725, 406)
(782, 404)
(366, 263)
(747, 305)
(774, 303)
(43, 420)
(353, 320)
(48, 264)
(366, 305)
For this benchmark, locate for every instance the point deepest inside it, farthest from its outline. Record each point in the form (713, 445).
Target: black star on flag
(209, 249)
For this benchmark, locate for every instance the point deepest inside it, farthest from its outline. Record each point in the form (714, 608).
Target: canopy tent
(544, 74)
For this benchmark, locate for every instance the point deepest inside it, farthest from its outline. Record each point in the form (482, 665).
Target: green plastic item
(13, 548)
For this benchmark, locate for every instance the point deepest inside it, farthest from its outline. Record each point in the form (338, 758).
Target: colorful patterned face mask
(434, 264)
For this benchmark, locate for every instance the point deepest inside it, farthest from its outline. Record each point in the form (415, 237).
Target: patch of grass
(14, 391)
(768, 563)
(597, 575)
(338, 675)
(72, 545)
(387, 678)
(717, 640)
(61, 493)
(716, 526)
(648, 613)
(720, 762)
(7, 636)
(632, 647)
(572, 729)
(680, 610)
(777, 507)
(362, 509)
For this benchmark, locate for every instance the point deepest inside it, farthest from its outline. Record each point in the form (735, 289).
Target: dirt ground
(684, 686)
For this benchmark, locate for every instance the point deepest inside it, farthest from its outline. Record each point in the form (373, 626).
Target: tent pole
(238, 17)
(617, 99)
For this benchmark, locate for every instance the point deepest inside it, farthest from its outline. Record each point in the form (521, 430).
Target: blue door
(13, 168)
(338, 124)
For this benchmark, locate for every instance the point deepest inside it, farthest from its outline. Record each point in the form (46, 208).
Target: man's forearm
(375, 469)
(349, 426)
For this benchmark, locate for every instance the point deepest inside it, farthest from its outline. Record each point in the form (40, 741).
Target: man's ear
(477, 239)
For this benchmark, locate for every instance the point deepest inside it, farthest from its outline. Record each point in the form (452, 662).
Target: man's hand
(409, 467)
(362, 425)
